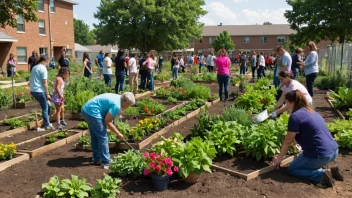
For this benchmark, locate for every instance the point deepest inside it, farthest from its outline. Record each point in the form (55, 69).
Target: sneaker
(63, 123)
(40, 129)
(59, 127)
(327, 178)
(106, 166)
(95, 162)
(50, 127)
(336, 173)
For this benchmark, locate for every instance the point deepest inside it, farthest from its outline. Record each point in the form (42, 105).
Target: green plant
(149, 107)
(7, 151)
(76, 102)
(182, 82)
(194, 104)
(52, 188)
(75, 187)
(82, 125)
(199, 91)
(206, 123)
(163, 76)
(171, 100)
(128, 164)
(107, 187)
(123, 127)
(84, 141)
(112, 137)
(14, 123)
(51, 139)
(166, 92)
(168, 146)
(343, 98)
(344, 139)
(349, 113)
(176, 114)
(239, 115)
(132, 111)
(5, 99)
(61, 134)
(339, 125)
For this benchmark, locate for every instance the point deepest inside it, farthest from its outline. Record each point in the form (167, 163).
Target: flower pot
(160, 182)
(192, 178)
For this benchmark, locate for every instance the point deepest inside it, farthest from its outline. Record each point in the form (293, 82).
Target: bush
(5, 99)
(132, 111)
(199, 91)
(149, 107)
(128, 164)
(237, 114)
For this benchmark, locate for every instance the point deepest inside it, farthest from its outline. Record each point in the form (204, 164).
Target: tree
(267, 23)
(9, 9)
(223, 41)
(318, 20)
(149, 24)
(83, 35)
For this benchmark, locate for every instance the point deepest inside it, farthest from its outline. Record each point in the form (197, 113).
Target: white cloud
(239, 1)
(219, 13)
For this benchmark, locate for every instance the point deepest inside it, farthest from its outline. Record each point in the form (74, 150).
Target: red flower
(158, 168)
(166, 87)
(148, 113)
(168, 171)
(153, 110)
(153, 156)
(145, 109)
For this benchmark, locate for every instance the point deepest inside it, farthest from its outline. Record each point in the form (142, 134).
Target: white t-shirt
(107, 70)
(133, 65)
(261, 61)
(211, 60)
(295, 85)
(182, 63)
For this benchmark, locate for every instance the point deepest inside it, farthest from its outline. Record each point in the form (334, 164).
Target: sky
(227, 12)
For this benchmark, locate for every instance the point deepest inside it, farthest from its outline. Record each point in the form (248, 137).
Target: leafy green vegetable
(107, 187)
(51, 139)
(206, 123)
(61, 134)
(85, 141)
(128, 164)
(52, 188)
(14, 123)
(123, 127)
(75, 187)
(343, 98)
(168, 146)
(342, 130)
(82, 125)
(199, 91)
(171, 100)
(132, 111)
(112, 137)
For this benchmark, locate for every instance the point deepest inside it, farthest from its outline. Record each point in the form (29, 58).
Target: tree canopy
(83, 35)
(9, 9)
(225, 41)
(267, 23)
(149, 24)
(318, 20)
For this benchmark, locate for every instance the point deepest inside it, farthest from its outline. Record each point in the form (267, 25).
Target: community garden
(186, 139)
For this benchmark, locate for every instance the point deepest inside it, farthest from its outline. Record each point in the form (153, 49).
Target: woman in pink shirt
(150, 66)
(223, 68)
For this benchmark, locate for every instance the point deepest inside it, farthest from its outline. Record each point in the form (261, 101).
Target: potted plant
(160, 168)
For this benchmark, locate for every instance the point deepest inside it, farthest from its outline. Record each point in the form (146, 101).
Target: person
(181, 64)
(133, 80)
(52, 62)
(201, 62)
(288, 85)
(127, 58)
(277, 70)
(99, 62)
(223, 68)
(107, 71)
(173, 59)
(196, 59)
(261, 69)
(63, 61)
(296, 57)
(286, 60)
(253, 64)
(11, 66)
(87, 65)
(243, 61)
(32, 60)
(58, 96)
(120, 64)
(39, 89)
(311, 68)
(190, 61)
(175, 68)
(309, 130)
(150, 68)
(161, 62)
(211, 62)
(143, 71)
(100, 112)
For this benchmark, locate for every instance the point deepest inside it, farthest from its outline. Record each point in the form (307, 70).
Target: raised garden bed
(9, 131)
(19, 157)
(331, 102)
(204, 81)
(23, 105)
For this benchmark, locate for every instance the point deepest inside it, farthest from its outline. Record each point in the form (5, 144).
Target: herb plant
(107, 187)
(14, 123)
(132, 111)
(128, 164)
(82, 125)
(171, 100)
(52, 188)
(239, 115)
(75, 187)
(84, 141)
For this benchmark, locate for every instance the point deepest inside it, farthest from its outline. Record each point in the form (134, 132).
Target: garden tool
(261, 117)
(134, 150)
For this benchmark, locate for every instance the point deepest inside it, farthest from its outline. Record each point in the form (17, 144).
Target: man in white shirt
(107, 71)
(261, 69)
(210, 61)
(286, 59)
(133, 80)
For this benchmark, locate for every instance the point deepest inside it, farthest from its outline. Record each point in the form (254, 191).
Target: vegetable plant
(82, 125)
(5, 99)
(107, 187)
(75, 187)
(123, 127)
(206, 123)
(85, 141)
(343, 98)
(171, 100)
(168, 146)
(149, 107)
(239, 115)
(7, 151)
(128, 164)
(52, 188)
(132, 111)
(199, 91)
(344, 138)
(51, 139)
(112, 137)
(14, 123)
(61, 134)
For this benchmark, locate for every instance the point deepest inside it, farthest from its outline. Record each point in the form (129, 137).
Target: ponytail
(42, 58)
(298, 99)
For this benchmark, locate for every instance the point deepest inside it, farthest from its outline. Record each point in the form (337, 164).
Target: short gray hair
(129, 96)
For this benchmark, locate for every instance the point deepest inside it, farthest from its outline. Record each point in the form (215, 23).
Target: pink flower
(175, 169)
(152, 165)
(168, 171)
(145, 172)
(146, 154)
(153, 156)
(168, 161)
(157, 168)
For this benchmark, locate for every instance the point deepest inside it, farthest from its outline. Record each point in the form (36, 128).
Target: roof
(69, 1)
(6, 38)
(106, 48)
(80, 48)
(249, 30)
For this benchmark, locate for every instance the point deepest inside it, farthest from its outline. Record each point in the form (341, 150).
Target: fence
(330, 60)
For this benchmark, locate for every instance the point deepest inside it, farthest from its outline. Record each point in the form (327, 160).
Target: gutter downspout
(50, 34)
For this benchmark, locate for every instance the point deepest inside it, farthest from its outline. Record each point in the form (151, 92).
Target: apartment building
(52, 33)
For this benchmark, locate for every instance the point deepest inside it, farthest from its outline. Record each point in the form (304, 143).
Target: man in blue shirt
(286, 60)
(99, 62)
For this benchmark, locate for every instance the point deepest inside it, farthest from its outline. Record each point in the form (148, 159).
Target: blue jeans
(223, 81)
(107, 79)
(151, 80)
(242, 69)
(260, 72)
(98, 138)
(311, 168)
(120, 82)
(253, 72)
(41, 98)
(174, 73)
(295, 72)
(310, 78)
(144, 77)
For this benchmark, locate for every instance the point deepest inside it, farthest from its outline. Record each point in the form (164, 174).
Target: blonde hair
(312, 46)
(222, 52)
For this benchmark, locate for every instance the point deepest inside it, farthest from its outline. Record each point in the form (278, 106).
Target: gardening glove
(273, 115)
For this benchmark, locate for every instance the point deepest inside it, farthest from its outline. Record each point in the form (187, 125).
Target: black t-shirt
(64, 62)
(32, 61)
(120, 64)
(141, 61)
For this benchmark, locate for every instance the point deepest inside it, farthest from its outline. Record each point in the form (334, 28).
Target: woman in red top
(196, 60)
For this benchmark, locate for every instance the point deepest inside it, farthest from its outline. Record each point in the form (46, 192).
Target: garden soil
(25, 179)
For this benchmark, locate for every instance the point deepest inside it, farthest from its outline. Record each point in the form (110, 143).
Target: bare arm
(85, 65)
(58, 85)
(108, 122)
(290, 137)
(45, 82)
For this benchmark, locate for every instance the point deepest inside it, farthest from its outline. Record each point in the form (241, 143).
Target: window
(41, 5)
(263, 39)
(52, 6)
(210, 40)
(20, 24)
(201, 41)
(69, 52)
(43, 51)
(246, 39)
(21, 54)
(41, 27)
(281, 39)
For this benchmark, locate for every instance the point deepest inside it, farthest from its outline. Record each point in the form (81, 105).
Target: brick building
(52, 33)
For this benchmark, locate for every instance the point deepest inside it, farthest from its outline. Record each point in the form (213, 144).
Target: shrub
(199, 91)
(128, 164)
(239, 115)
(132, 111)
(5, 99)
